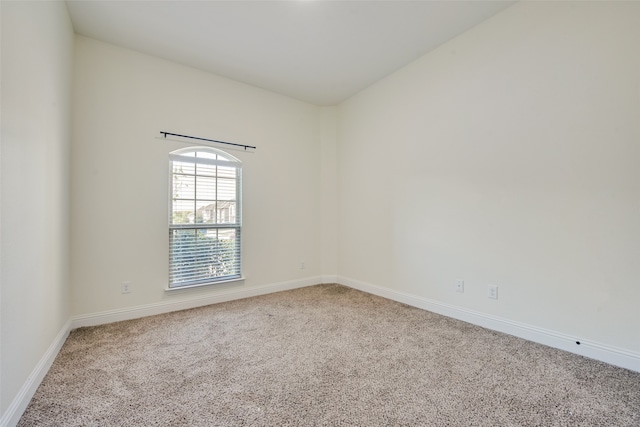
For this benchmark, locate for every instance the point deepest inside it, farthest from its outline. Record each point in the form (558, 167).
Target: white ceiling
(318, 51)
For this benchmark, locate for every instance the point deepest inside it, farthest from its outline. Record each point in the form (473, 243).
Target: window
(204, 217)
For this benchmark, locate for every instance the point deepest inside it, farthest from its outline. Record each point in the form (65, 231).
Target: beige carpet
(322, 356)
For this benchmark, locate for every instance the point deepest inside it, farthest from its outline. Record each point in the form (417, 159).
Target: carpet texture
(325, 355)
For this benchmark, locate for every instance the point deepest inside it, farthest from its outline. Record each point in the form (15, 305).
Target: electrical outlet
(492, 292)
(460, 285)
(302, 265)
(125, 287)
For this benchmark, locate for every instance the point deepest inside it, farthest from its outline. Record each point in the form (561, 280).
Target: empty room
(320, 213)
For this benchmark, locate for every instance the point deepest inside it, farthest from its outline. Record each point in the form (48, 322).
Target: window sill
(200, 285)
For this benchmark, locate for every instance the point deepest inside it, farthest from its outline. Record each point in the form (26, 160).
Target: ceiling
(318, 51)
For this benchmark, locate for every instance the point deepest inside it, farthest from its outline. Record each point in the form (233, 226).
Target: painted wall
(507, 156)
(329, 192)
(37, 58)
(122, 100)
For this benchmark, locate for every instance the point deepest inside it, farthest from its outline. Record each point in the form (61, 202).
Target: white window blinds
(204, 217)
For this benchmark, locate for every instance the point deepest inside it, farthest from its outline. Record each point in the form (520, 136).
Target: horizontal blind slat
(214, 162)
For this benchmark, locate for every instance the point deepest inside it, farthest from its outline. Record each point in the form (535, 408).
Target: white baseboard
(330, 279)
(136, 312)
(594, 350)
(602, 352)
(11, 417)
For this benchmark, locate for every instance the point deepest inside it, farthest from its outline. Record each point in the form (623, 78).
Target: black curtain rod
(209, 140)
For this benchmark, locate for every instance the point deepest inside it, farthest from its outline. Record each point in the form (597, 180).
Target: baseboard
(594, 350)
(602, 352)
(136, 312)
(11, 417)
(17, 407)
(329, 279)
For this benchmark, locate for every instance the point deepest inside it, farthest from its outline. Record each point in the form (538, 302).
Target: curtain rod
(209, 140)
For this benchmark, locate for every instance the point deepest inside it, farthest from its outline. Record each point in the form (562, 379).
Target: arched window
(204, 217)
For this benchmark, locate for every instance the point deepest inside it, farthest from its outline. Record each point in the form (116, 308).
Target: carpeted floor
(325, 355)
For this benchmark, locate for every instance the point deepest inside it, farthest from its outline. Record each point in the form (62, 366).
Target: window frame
(222, 159)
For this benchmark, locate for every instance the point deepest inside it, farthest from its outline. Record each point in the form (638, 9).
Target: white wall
(37, 56)
(508, 156)
(329, 191)
(122, 100)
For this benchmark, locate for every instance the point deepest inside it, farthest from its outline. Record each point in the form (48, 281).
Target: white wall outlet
(125, 287)
(492, 292)
(460, 285)
(302, 265)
